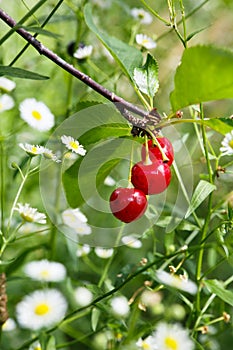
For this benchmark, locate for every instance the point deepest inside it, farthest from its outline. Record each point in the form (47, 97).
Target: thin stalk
(2, 184)
(18, 194)
(208, 216)
(35, 35)
(183, 21)
(155, 13)
(192, 12)
(28, 15)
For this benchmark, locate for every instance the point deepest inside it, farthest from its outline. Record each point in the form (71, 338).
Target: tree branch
(121, 104)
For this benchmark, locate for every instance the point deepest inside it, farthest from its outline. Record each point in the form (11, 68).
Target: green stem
(18, 194)
(42, 26)
(183, 22)
(208, 216)
(28, 15)
(155, 13)
(2, 183)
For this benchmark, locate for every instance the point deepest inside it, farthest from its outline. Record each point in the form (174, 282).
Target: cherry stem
(155, 141)
(147, 160)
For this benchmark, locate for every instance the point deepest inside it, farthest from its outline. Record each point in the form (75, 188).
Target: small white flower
(6, 103)
(227, 144)
(120, 306)
(104, 253)
(30, 214)
(36, 114)
(35, 346)
(83, 250)
(83, 52)
(176, 282)
(73, 145)
(109, 181)
(143, 16)
(32, 150)
(172, 336)
(76, 220)
(45, 270)
(131, 242)
(41, 309)
(9, 325)
(83, 296)
(150, 298)
(145, 41)
(7, 84)
(147, 344)
(48, 154)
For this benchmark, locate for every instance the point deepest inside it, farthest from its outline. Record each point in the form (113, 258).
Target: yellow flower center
(33, 149)
(41, 309)
(44, 273)
(231, 143)
(145, 41)
(171, 343)
(73, 144)
(26, 217)
(1, 105)
(145, 346)
(36, 115)
(37, 347)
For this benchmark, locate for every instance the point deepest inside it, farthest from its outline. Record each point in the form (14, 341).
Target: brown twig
(122, 105)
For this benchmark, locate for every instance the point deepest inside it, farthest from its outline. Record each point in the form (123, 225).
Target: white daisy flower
(83, 52)
(44, 270)
(6, 103)
(30, 214)
(36, 114)
(175, 281)
(131, 242)
(83, 296)
(73, 145)
(104, 253)
(7, 84)
(9, 325)
(109, 181)
(35, 346)
(150, 298)
(227, 144)
(143, 16)
(170, 337)
(76, 220)
(120, 306)
(48, 154)
(83, 250)
(41, 309)
(32, 150)
(146, 344)
(145, 41)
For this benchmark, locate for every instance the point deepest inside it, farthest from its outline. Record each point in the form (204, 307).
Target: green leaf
(221, 125)
(41, 31)
(218, 288)
(128, 57)
(51, 345)
(20, 73)
(95, 318)
(202, 191)
(146, 77)
(205, 74)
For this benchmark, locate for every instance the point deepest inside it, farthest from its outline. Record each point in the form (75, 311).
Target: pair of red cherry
(150, 176)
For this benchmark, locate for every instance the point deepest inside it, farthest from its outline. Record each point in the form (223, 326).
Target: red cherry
(128, 204)
(154, 152)
(151, 179)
